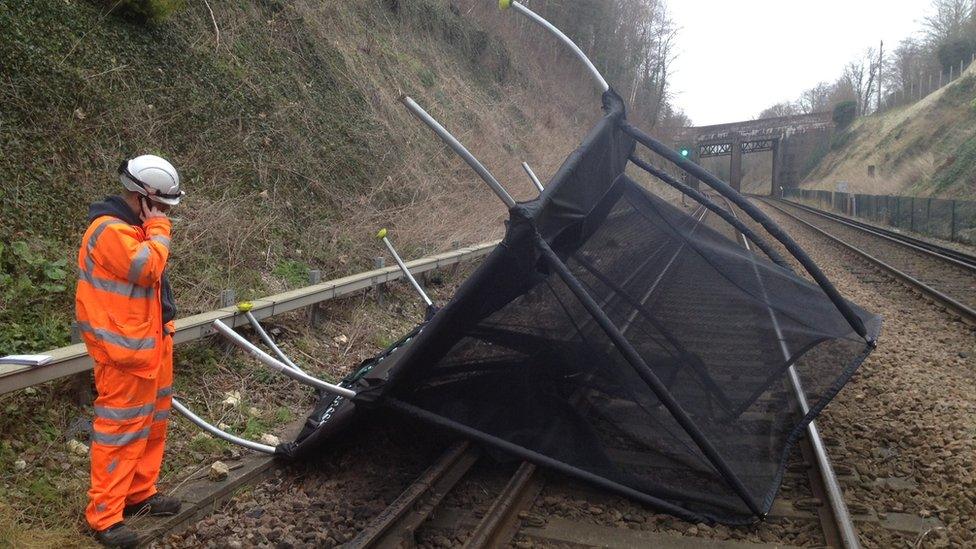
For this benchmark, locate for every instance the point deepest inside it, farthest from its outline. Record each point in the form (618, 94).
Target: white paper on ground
(27, 360)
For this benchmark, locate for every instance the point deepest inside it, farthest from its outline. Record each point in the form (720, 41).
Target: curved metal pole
(406, 272)
(539, 20)
(219, 433)
(532, 176)
(270, 342)
(278, 365)
(459, 149)
(634, 358)
(703, 200)
(760, 217)
(835, 495)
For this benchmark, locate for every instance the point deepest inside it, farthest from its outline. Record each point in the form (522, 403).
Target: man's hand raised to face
(150, 210)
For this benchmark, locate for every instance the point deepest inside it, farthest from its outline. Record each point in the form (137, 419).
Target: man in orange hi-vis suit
(125, 310)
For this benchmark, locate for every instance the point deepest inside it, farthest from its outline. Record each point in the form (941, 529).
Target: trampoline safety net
(621, 340)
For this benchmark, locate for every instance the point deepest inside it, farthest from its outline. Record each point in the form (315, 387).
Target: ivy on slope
(271, 110)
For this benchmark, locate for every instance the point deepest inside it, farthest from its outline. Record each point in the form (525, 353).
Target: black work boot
(117, 535)
(157, 506)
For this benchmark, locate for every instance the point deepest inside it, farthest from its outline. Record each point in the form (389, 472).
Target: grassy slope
(294, 149)
(288, 133)
(926, 149)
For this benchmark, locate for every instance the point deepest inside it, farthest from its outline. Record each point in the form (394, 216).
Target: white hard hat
(152, 177)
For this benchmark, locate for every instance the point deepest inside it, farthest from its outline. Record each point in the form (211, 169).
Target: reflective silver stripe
(89, 262)
(164, 240)
(138, 263)
(112, 465)
(120, 439)
(160, 415)
(132, 343)
(165, 391)
(115, 287)
(124, 413)
(120, 288)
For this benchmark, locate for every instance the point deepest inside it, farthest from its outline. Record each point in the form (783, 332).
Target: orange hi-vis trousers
(129, 433)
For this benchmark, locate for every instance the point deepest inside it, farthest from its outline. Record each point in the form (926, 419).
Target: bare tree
(948, 20)
(906, 67)
(861, 77)
(815, 99)
(786, 108)
(632, 42)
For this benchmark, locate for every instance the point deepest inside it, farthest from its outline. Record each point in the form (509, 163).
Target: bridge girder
(753, 136)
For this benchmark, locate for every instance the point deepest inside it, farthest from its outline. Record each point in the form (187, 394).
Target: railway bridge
(792, 140)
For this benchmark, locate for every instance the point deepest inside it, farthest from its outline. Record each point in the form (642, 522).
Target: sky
(735, 58)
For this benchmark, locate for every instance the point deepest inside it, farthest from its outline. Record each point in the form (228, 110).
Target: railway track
(835, 517)
(946, 275)
(465, 500)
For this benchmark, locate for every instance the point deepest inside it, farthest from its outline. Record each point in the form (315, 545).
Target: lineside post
(81, 383)
(314, 277)
(380, 263)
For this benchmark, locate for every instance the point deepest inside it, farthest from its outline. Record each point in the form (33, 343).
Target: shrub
(840, 140)
(32, 287)
(955, 51)
(147, 10)
(844, 113)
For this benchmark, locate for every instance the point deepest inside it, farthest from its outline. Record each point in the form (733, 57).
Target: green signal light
(685, 153)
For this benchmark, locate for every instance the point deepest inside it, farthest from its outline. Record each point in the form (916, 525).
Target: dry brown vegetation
(295, 150)
(923, 149)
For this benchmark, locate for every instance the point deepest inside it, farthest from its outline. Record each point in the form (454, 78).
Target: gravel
(947, 277)
(902, 434)
(324, 502)
(910, 412)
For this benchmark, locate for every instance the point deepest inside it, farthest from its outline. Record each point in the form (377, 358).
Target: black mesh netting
(518, 361)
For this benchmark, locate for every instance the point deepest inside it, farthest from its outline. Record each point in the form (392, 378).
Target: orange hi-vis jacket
(118, 301)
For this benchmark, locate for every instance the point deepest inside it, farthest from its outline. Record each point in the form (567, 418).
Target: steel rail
(967, 312)
(967, 258)
(835, 494)
(73, 359)
(630, 319)
(500, 523)
(967, 262)
(396, 524)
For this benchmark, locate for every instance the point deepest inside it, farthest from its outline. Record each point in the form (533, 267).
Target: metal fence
(918, 86)
(946, 219)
